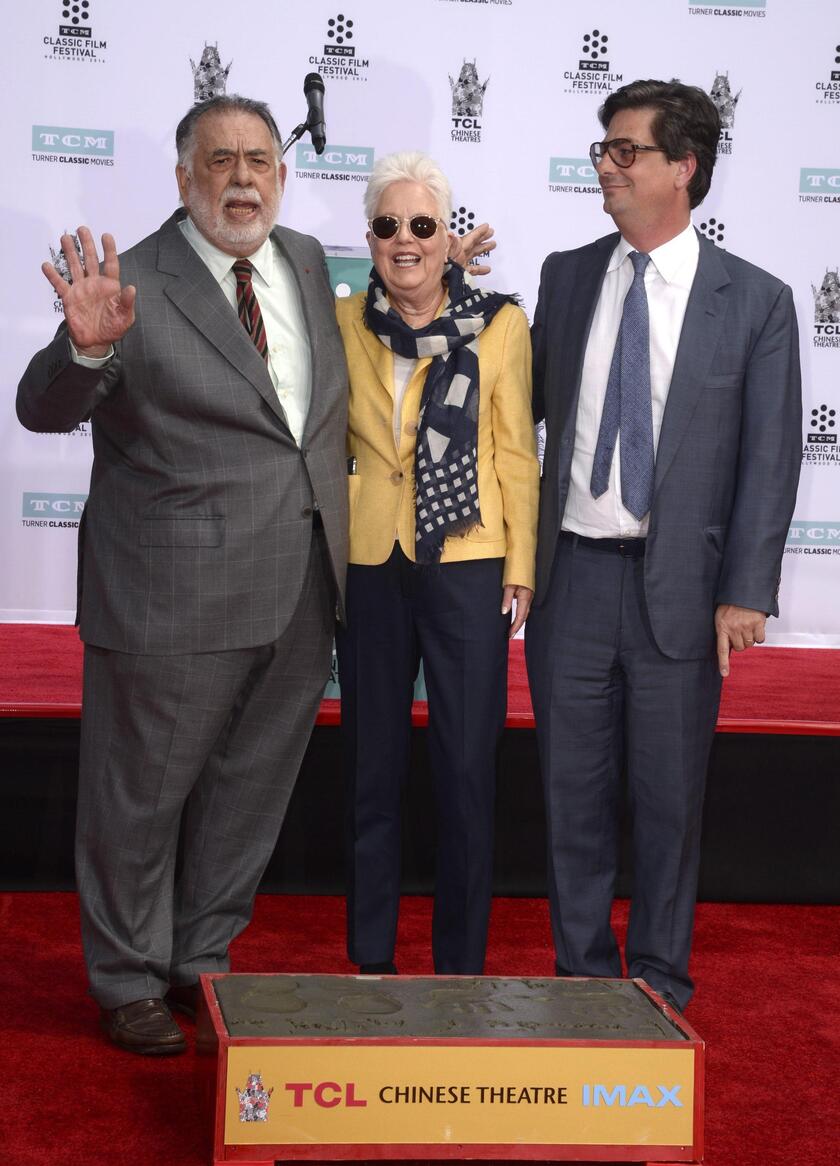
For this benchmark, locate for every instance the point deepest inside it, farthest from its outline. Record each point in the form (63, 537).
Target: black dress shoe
(184, 998)
(386, 968)
(144, 1026)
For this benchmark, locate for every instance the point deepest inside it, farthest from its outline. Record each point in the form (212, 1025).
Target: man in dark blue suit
(667, 372)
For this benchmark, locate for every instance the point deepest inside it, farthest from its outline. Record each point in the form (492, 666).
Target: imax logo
(807, 534)
(572, 170)
(68, 140)
(353, 159)
(624, 1096)
(46, 505)
(812, 180)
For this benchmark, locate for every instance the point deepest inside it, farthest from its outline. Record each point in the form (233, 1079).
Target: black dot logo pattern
(462, 221)
(823, 419)
(340, 28)
(713, 229)
(595, 44)
(837, 58)
(76, 13)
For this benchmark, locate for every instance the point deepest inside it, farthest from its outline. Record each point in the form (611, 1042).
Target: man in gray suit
(211, 558)
(667, 372)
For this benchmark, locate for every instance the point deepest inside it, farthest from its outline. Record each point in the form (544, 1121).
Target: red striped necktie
(248, 306)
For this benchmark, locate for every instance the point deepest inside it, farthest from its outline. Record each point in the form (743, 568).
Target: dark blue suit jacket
(727, 464)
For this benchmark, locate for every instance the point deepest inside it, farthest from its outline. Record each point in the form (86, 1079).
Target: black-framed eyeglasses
(421, 226)
(622, 151)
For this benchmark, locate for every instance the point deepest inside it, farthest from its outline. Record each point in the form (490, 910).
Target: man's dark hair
(685, 122)
(227, 103)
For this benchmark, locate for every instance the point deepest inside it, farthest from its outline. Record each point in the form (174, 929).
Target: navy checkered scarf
(446, 499)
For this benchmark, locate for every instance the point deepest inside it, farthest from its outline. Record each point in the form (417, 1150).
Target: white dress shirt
(668, 280)
(289, 352)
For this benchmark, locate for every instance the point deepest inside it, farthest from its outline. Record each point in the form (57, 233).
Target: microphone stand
(296, 134)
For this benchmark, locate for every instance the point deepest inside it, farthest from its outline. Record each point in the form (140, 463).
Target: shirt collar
(219, 262)
(675, 261)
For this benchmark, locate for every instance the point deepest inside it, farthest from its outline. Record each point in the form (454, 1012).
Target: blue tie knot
(639, 261)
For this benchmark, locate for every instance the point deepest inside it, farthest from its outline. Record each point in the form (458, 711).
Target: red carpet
(766, 1005)
(770, 690)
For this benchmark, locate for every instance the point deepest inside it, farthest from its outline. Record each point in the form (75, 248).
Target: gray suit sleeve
(55, 393)
(768, 465)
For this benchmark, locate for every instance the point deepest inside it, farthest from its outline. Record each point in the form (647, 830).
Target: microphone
(313, 91)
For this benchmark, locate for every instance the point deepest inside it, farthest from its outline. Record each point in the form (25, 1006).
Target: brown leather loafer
(144, 1026)
(184, 998)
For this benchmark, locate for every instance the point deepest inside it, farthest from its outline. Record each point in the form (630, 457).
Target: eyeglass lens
(386, 226)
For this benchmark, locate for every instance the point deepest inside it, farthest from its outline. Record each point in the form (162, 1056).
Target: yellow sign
(426, 1094)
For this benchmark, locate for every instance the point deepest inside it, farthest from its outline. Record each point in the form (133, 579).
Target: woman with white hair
(444, 482)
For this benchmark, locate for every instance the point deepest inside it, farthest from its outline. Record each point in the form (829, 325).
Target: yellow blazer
(382, 489)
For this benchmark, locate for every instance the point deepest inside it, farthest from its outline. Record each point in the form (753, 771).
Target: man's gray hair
(226, 103)
(409, 166)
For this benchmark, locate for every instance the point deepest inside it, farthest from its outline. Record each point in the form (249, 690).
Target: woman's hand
(522, 597)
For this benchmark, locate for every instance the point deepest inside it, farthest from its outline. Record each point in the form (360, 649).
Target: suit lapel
(702, 326)
(584, 295)
(196, 294)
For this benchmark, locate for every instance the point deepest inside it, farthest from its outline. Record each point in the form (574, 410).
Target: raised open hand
(97, 310)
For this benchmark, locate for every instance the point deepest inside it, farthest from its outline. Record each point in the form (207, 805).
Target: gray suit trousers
(206, 745)
(606, 699)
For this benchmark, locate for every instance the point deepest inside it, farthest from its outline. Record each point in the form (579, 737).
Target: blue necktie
(627, 407)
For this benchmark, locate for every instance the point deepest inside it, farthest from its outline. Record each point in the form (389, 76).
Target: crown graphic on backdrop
(467, 91)
(721, 95)
(827, 299)
(209, 78)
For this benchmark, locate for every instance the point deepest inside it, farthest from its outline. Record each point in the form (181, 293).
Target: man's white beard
(248, 237)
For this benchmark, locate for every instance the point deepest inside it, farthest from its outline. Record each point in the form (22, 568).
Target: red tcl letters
(327, 1094)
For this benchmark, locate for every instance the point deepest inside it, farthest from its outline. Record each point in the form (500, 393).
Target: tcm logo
(816, 181)
(350, 159)
(810, 533)
(50, 505)
(624, 1096)
(578, 170)
(69, 140)
(326, 1094)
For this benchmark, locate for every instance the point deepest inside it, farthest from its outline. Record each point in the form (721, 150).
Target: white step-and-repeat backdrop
(95, 89)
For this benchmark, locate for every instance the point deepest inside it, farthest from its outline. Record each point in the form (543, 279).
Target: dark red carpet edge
(767, 1006)
(770, 690)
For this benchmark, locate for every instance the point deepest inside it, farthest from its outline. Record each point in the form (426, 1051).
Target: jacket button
(306, 512)
(397, 476)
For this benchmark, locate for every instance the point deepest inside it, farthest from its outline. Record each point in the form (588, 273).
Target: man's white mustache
(242, 194)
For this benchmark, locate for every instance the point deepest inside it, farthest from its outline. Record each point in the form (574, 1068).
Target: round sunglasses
(421, 226)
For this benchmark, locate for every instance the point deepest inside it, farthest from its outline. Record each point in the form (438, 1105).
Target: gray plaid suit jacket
(198, 524)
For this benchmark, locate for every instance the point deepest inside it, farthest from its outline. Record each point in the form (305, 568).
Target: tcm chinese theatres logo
(592, 74)
(209, 78)
(75, 40)
(725, 103)
(827, 311)
(467, 103)
(254, 1099)
(59, 262)
(341, 59)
